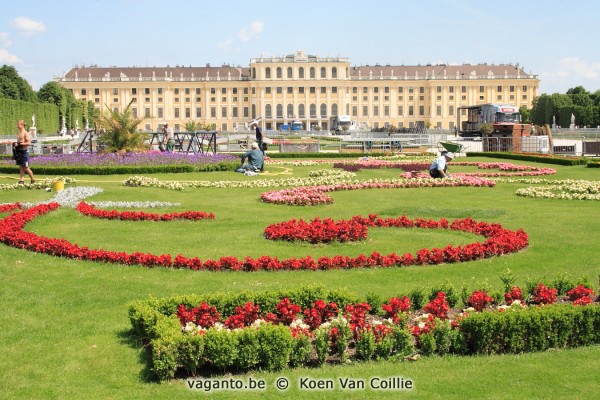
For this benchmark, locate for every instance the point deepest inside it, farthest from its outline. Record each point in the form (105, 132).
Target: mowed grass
(65, 331)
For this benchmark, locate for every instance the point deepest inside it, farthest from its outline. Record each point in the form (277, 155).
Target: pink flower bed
(315, 195)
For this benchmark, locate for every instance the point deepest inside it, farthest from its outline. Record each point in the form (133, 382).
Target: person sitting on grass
(255, 160)
(439, 167)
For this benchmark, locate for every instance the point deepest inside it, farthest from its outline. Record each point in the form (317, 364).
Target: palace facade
(301, 87)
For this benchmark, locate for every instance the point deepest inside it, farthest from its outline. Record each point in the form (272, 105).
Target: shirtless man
(21, 153)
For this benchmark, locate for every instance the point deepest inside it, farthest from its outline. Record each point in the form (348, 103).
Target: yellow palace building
(301, 87)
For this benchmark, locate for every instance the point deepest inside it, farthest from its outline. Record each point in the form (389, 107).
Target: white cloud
(4, 39)
(6, 57)
(571, 72)
(27, 27)
(225, 45)
(247, 34)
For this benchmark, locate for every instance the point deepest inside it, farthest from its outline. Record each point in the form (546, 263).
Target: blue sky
(556, 40)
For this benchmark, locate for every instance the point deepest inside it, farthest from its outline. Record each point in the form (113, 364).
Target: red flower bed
(10, 207)
(479, 300)
(498, 241)
(91, 211)
(317, 231)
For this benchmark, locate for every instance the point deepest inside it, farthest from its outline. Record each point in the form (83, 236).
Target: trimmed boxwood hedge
(124, 169)
(272, 347)
(531, 157)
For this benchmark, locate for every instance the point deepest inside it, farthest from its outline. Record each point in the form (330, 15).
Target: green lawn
(64, 324)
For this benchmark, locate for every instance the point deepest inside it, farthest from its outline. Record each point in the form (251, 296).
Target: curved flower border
(315, 195)
(498, 241)
(91, 211)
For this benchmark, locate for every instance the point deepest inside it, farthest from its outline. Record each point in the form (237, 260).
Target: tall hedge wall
(46, 116)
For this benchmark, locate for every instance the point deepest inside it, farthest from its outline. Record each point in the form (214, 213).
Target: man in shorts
(21, 152)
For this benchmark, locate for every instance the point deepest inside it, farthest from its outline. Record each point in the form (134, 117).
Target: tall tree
(12, 86)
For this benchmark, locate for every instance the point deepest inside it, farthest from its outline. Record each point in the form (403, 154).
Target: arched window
(334, 110)
(268, 113)
(334, 73)
(301, 73)
(290, 110)
(312, 73)
(323, 110)
(279, 111)
(268, 73)
(323, 72)
(279, 75)
(313, 111)
(301, 111)
(290, 73)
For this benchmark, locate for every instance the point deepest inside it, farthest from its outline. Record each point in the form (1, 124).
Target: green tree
(120, 131)
(192, 126)
(12, 86)
(525, 115)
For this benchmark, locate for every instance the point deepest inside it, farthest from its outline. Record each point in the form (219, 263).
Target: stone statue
(33, 120)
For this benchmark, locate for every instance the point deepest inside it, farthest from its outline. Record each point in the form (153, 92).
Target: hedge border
(124, 169)
(531, 157)
(173, 353)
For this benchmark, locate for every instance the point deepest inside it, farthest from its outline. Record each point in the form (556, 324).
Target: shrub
(164, 358)
(441, 333)
(301, 350)
(220, 348)
(427, 345)
(275, 346)
(448, 290)
(249, 349)
(322, 345)
(365, 345)
(404, 341)
(191, 352)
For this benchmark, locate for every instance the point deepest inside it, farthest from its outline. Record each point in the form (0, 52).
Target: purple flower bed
(139, 159)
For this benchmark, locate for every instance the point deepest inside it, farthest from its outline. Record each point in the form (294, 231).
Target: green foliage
(563, 283)
(531, 329)
(441, 333)
(375, 300)
(120, 131)
(46, 115)
(404, 341)
(385, 347)
(508, 279)
(192, 126)
(249, 349)
(417, 299)
(221, 349)
(191, 353)
(12, 86)
(164, 359)
(365, 345)
(427, 345)
(322, 345)
(340, 347)
(301, 350)
(448, 290)
(558, 160)
(486, 129)
(275, 346)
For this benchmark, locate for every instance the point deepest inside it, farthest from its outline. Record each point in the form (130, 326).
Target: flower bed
(312, 326)
(498, 241)
(92, 211)
(315, 195)
(565, 190)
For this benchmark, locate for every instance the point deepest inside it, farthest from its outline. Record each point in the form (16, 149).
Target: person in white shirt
(439, 166)
(169, 139)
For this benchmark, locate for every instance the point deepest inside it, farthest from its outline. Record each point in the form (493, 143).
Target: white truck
(342, 123)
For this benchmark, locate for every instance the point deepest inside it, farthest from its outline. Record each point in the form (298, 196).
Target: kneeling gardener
(439, 167)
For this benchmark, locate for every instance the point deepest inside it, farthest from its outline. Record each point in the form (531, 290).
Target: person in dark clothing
(259, 138)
